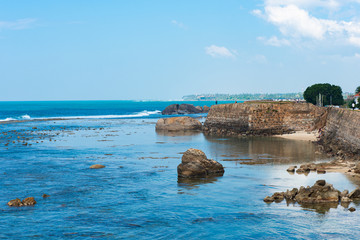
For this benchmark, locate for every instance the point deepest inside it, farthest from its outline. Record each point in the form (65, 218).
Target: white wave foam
(7, 119)
(135, 115)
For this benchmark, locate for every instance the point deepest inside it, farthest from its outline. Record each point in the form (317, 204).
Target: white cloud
(296, 22)
(216, 51)
(178, 24)
(330, 4)
(258, 59)
(18, 24)
(274, 41)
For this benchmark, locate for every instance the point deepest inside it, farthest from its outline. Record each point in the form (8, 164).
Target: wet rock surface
(320, 193)
(176, 109)
(178, 124)
(195, 164)
(30, 201)
(97, 166)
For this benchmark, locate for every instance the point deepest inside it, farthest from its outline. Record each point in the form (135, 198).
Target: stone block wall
(262, 118)
(341, 135)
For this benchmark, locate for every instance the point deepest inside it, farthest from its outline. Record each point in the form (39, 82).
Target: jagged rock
(344, 193)
(345, 200)
(320, 183)
(352, 209)
(291, 169)
(29, 201)
(26, 202)
(97, 166)
(355, 194)
(15, 203)
(291, 194)
(357, 168)
(278, 196)
(302, 170)
(269, 199)
(319, 193)
(206, 109)
(194, 163)
(180, 109)
(178, 124)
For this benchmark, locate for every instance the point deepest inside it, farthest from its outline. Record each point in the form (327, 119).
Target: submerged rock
(194, 163)
(178, 124)
(352, 209)
(97, 166)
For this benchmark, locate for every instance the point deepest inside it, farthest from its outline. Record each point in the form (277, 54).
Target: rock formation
(175, 109)
(30, 201)
(178, 124)
(320, 192)
(195, 164)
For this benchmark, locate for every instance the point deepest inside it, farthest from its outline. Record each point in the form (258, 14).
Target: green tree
(324, 93)
(357, 90)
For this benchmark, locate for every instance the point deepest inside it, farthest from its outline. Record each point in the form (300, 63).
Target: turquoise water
(138, 194)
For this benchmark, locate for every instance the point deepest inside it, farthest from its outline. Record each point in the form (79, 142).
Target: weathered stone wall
(262, 118)
(341, 135)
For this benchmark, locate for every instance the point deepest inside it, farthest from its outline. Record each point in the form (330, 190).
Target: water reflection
(261, 150)
(177, 133)
(319, 207)
(193, 183)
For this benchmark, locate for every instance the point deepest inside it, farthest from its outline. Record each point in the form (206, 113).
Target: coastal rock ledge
(184, 109)
(195, 164)
(178, 124)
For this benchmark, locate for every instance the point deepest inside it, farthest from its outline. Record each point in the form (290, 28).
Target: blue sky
(162, 50)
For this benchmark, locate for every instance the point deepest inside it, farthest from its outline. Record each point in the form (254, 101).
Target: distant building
(357, 98)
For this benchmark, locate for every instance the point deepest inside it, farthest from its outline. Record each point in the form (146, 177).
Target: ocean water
(138, 195)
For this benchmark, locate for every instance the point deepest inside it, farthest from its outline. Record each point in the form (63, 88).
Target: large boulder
(181, 109)
(178, 124)
(195, 164)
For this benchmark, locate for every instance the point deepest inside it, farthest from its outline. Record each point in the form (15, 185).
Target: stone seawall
(263, 118)
(341, 135)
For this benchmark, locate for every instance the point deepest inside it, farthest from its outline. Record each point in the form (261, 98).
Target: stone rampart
(263, 118)
(341, 135)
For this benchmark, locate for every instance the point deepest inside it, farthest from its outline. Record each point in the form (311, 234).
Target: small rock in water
(45, 195)
(352, 209)
(321, 171)
(269, 199)
(291, 169)
(15, 203)
(97, 166)
(26, 202)
(29, 201)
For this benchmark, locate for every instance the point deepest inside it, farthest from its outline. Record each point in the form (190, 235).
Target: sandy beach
(300, 135)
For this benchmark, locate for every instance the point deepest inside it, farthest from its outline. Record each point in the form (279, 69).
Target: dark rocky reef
(178, 124)
(195, 164)
(176, 109)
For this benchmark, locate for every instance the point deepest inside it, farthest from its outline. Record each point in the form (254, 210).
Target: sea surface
(48, 147)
